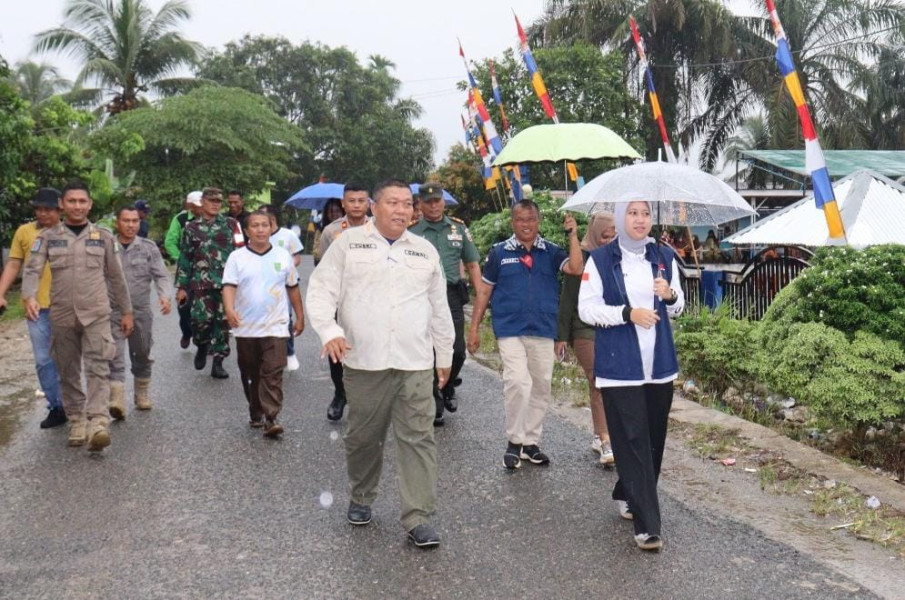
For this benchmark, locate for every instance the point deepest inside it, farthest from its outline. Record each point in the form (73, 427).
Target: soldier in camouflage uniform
(206, 243)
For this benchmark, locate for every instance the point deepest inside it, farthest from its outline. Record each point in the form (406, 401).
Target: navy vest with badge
(616, 352)
(525, 299)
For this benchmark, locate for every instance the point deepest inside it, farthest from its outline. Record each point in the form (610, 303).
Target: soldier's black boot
(217, 370)
(201, 356)
(335, 410)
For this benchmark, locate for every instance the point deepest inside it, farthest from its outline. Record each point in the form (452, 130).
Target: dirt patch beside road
(18, 381)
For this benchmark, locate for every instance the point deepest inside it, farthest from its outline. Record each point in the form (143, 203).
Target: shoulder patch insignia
(36, 245)
(456, 219)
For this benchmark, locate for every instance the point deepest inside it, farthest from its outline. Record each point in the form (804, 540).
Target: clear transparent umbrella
(680, 195)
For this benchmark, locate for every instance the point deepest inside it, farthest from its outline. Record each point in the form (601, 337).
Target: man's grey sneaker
(358, 514)
(424, 536)
(624, 511)
(511, 458)
(534, 455)
(648, 542)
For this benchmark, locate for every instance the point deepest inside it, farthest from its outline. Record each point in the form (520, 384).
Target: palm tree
(686, 42)
(714, 69)
(124, 47)
(38, 82)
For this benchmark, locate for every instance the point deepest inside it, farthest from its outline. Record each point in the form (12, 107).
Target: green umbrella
(564, 141)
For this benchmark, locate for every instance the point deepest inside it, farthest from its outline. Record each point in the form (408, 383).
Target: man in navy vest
(521, 278)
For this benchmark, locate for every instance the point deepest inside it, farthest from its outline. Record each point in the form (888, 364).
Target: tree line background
(267, 112)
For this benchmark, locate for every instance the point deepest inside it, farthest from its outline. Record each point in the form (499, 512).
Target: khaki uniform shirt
(83, 267)
(331, 232)
(387, 300)
(143, 264)
(453, 242)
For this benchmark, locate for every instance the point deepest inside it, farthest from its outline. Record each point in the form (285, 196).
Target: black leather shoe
(201, 356)
(358, 514)
(55, 418)
(336, 408)
(184, 342)
(449, 399)
(424, 536)
(217, 370)
(439, 421)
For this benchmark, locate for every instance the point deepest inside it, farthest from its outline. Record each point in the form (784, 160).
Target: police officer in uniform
(142, 265)
(455, 245)
(83, 259)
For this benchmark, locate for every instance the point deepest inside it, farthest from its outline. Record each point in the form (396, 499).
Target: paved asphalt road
(189, 502)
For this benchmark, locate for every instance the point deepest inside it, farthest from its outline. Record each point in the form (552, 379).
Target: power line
(771, 56)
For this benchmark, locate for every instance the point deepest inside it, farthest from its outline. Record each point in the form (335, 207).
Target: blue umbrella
(314, 197)
(448, 200)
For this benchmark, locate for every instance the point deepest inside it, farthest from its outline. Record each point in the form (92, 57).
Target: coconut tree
(713, 69)
(38, 82)
(125, 48)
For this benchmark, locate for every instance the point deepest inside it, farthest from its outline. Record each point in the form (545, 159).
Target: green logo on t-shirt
(277, 266)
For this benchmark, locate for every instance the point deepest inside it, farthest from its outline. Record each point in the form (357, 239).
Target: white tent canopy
(872, 208)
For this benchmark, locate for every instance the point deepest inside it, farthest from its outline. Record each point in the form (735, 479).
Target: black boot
(217, 370)
(335, 410)
(201, 356)
(55, 418)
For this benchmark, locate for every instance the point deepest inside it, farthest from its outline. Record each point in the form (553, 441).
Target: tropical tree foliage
(461, 177)
(585, 87)
(713, 69)
(212, 136)
(38, 82)
(124, 47)
(349, 113)
(39, 146)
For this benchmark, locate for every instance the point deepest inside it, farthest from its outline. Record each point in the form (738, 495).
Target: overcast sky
(418, 35)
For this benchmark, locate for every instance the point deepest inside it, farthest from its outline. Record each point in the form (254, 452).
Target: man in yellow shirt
(47, 214)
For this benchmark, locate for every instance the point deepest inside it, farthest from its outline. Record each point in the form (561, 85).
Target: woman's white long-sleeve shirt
(639, 285)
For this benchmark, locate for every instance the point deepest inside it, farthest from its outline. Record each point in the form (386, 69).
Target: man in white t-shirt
(280, 237)
(259, 283)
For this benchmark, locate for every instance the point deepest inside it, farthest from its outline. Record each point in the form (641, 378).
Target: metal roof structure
(840, 163)
(872, 208)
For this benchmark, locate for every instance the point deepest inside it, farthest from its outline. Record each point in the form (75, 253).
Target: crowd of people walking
(386, 300)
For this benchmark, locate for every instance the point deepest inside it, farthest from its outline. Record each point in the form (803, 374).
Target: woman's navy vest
(616, 352)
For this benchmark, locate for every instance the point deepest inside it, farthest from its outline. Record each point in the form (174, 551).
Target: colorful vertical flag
(493, 138)
(498, 98)
(651, 91)
(813, 153)
(488, 172)
(536, 80)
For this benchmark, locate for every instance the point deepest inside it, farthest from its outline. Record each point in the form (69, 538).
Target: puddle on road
(13, 409)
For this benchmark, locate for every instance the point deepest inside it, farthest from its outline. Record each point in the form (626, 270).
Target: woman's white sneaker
(648, 542)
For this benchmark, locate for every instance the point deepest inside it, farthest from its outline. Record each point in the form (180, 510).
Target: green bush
(849, 290)
(850, 382)
(716, 351)
(496, 227)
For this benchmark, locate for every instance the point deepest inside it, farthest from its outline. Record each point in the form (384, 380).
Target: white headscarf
(625, 240)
